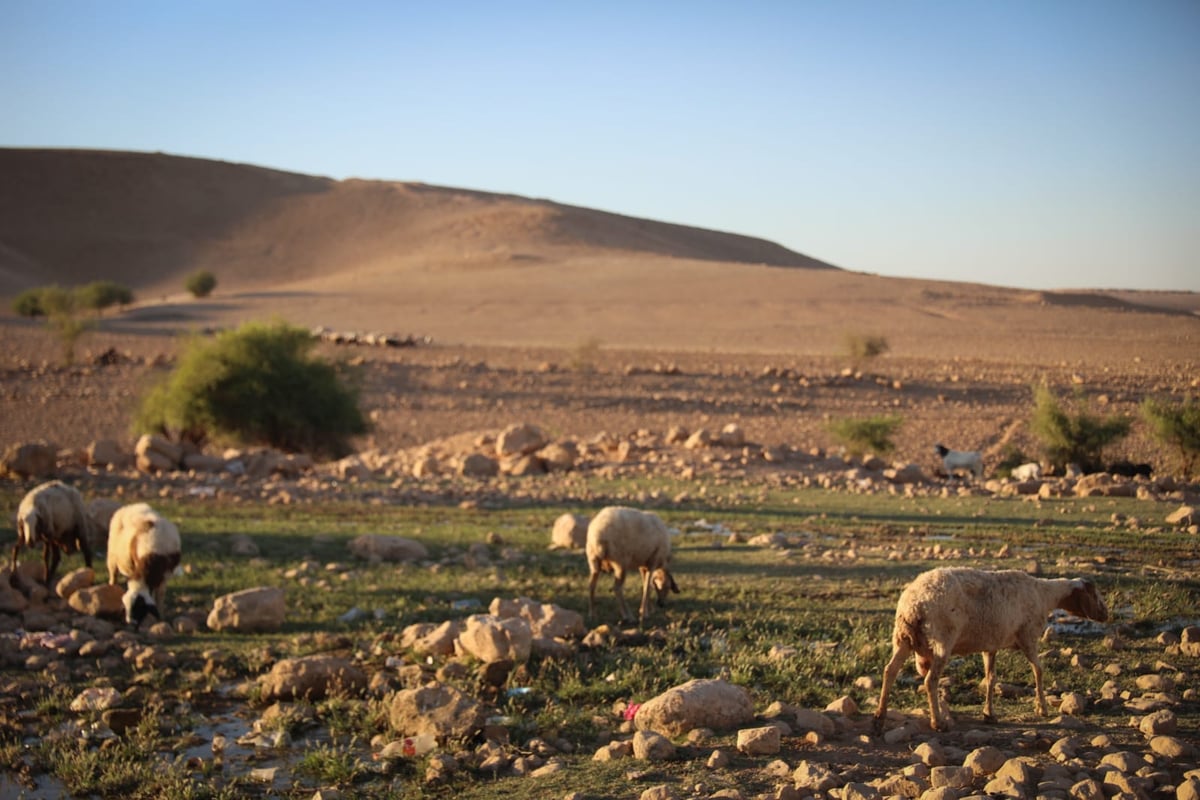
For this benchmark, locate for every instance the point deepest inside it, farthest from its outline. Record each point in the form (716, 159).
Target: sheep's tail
(910, 634)
(156, 567)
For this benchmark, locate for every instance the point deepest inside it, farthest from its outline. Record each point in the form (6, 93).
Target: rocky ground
(759, 420)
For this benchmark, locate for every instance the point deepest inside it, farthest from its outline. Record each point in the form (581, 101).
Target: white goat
(53, 514)
(954, 460)
(145, 548)
(957, 610)
(1027, 472)
(620, 539)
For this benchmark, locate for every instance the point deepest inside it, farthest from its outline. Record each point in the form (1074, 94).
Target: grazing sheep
(958, 610)
(144, 547)
(620, 539)
(1027, 472)
(954, 460)
(53, 513)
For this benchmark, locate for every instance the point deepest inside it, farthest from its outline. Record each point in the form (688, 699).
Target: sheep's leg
(50, 557)
(900, 654)
(644, 610)
(592, 579)
(936, 663)
(1030, 651)
(85, 546)
(989, 675)
(619, 591)
(16, 551)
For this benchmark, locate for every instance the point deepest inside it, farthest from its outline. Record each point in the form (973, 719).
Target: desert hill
(475, 267)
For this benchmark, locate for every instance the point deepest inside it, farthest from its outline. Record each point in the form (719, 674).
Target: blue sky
(1038, 144)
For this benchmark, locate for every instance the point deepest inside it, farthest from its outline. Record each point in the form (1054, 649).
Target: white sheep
(954, 460)
(53, 514)
(1027, 472)
(958, 610)
(620, 539)
(145, 548)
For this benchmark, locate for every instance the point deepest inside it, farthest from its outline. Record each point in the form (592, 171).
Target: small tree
(1176, 426)
(873, 434)
(201, 283)
(100, 295)
(257, 384)
(1073, 438)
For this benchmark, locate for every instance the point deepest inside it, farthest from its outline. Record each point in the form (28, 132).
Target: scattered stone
(257, 610)
(312, 678)
(763, 741)
(651, 746)
(442, 711)
(377, 547)
(569, 532)
(699, 703)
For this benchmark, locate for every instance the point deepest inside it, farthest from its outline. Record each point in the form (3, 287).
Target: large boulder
(520, 440)
(438, 710)
(259, 609)
(430, 638)
(378, 547)
(477, 465)
(559, 456)
(545, 619)
(103, 453)
(312, 678)
(569, 532)
(699, 703)
(30, 460)
(103, 600)
(492, 639)
(156, 454)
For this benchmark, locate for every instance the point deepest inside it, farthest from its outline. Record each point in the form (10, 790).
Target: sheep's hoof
(877, 726)
(990, 719)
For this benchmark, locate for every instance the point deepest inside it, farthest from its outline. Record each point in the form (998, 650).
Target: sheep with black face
(144, 547)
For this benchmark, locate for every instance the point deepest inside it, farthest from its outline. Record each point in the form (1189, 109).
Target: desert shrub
(586, 355)
(29, 303)
(258, 384)
(872, 434)
(100, 295)
(200, 283)
(1073, 437)
(60, 307)
(1176, 426)
(861, 347)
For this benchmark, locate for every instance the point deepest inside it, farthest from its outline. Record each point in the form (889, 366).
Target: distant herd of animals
(942, 613)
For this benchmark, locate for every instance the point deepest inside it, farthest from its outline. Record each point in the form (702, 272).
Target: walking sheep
(620, 539)
(954, 460)
(53, 514)
(957, 610)
(144, 547)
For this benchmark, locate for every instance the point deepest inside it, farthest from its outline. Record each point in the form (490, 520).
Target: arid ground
(578, 320)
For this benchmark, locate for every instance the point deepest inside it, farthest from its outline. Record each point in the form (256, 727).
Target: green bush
(1073, 438)
(861, 347)
(99, 295)
(873, 434)
(258, 384)
(201, 283)
(1176, 426)
(29, 303)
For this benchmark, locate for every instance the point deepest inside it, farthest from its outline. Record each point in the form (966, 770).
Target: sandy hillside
(476, 268)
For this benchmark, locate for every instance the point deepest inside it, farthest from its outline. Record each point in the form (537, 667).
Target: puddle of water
(46, 787)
